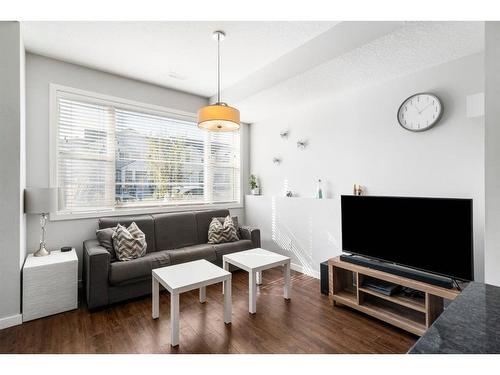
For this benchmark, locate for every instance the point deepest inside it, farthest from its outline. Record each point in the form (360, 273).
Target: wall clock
(420, 112)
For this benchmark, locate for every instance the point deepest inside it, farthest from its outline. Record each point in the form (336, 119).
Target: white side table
(254, 261)
(182, 278)
(50, 284)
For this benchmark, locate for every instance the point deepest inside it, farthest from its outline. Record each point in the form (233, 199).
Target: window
(115, 155)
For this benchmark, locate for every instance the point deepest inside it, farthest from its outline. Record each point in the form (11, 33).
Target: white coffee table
(184, 277)
(254, 261)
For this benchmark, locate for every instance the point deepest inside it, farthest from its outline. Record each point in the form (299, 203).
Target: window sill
(126, 211)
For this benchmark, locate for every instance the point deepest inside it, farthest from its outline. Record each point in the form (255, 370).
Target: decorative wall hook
(277, 160)
(284, 133)
(301, 144)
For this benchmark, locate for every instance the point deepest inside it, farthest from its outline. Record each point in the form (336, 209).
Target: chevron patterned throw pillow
(129, 243)
(235, 222)
(220, 233)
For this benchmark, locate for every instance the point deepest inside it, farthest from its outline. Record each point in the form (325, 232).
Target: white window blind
(111, 157)
(223, 166)
(158, 159)
(85, 155)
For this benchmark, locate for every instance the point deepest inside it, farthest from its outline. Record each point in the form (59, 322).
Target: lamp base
(42, 251)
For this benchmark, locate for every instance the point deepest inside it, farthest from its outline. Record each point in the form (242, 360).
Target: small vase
(320, 190)
(255, 191)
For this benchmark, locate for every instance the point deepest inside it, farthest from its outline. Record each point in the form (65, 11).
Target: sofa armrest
(96, 260)
(249, 233)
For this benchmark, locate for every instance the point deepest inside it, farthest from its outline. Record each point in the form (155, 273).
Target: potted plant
(254, 187)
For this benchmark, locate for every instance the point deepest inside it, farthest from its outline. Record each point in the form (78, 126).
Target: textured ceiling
(156, 51)
(286, 64)
(340, 39)
(416, 46)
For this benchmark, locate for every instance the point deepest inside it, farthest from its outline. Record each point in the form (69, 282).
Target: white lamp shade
(40, 200)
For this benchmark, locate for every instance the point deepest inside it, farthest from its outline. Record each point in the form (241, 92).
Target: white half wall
(355, 138)
(492, 155)
(302, 228)
(12, 170)
(40, 72)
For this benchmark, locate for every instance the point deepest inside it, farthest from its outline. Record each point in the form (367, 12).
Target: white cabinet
(50, 284)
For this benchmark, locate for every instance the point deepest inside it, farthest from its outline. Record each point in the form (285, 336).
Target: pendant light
(218, 117)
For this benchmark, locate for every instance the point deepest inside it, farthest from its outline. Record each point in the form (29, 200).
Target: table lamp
(41, 201)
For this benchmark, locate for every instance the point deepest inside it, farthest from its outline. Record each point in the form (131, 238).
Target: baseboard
(9, 321)
(305, 271)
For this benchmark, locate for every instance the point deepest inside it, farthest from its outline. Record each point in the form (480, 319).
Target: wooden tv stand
(412, 314)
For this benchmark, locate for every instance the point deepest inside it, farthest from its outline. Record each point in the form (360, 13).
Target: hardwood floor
(306, 324)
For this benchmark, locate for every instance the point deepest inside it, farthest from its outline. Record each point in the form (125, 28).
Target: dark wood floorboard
(306, 324)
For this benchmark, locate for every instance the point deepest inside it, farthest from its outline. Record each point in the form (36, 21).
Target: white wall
(12, 170)
(22, 152)
(492, 155)
(40, 72)
(356, 139)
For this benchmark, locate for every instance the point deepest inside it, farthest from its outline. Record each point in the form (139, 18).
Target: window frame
(69, 92)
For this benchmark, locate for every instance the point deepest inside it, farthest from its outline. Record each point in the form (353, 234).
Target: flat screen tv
(429, 234)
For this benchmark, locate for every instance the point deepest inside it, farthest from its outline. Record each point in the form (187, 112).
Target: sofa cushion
(175, 230)
(123, 272)
(203, 219)
(105, 238)
(190, 253)
(144, 222)
(222, 249)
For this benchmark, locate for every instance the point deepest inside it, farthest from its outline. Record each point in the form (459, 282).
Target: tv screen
(430, 234)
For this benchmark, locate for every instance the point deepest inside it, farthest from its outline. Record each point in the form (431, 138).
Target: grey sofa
(171, 238)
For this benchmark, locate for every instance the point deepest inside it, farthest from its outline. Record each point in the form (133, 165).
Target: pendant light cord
(218, 68)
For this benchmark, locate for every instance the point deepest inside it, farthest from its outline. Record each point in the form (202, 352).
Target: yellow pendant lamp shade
(219, 117)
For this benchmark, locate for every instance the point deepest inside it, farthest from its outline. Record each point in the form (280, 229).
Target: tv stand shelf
(417, 304)
(412, 314)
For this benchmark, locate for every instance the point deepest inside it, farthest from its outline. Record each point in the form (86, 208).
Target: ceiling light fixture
(219, 117)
